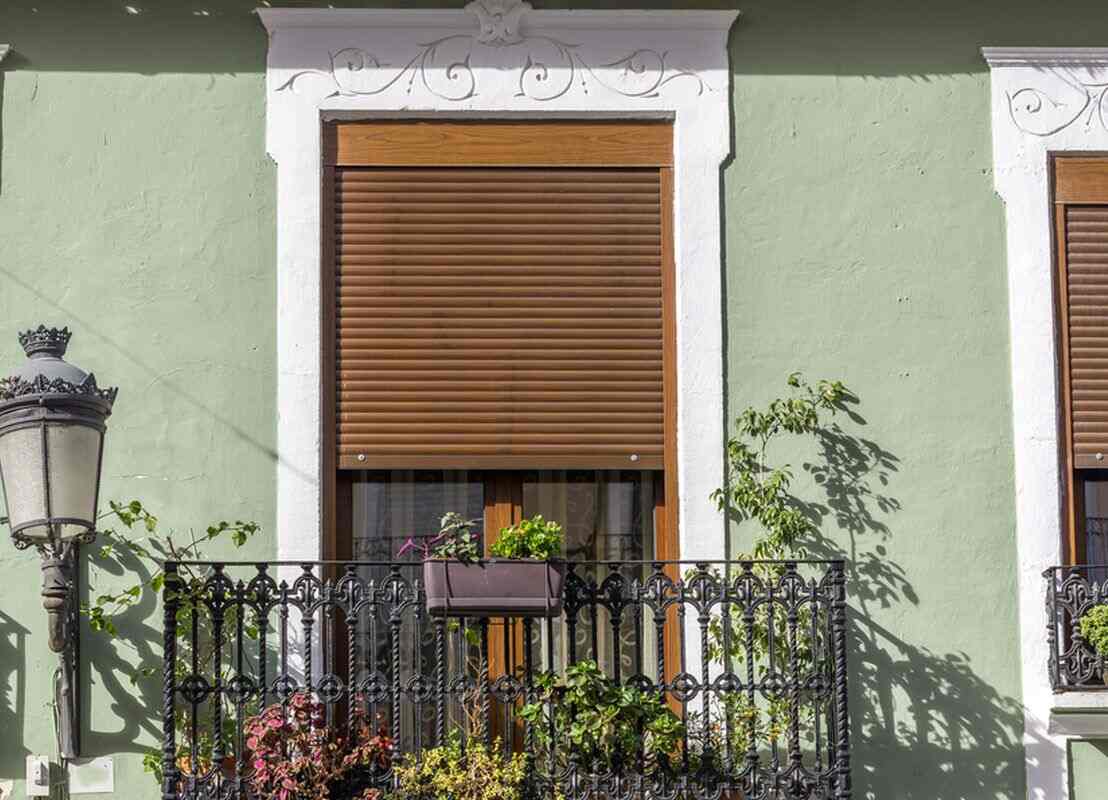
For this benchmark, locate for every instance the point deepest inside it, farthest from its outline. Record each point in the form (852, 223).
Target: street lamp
(52, 423)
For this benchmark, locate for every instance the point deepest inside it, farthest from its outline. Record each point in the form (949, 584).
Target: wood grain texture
(1080, 179)
(1083, 260)
(446, 143)
(503, 319)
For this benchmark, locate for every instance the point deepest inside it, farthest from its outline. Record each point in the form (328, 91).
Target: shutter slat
(511, 314)
(1086, 253)
(503, 176)
(388, 216)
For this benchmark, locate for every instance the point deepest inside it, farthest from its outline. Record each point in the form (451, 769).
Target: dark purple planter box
(496, 587)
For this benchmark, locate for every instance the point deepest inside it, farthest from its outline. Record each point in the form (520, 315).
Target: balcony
(1071, 593)
(750, 658)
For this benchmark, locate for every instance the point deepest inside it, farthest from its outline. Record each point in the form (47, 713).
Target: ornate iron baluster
(217, 609)
(440, 681)
(842, 720)
(483, 682)
(171, 602)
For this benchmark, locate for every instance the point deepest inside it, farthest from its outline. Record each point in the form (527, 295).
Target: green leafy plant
(456, 539)
(1094, 628)
(151, 548)
(132, 541)
(464, 768)
(529, 538)
(454, 772)
(605, 723)
(759, 492)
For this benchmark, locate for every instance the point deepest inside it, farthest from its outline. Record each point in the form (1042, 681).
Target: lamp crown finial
(50, 341)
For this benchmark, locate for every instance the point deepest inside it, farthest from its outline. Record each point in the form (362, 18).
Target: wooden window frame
(562, 143)
(1071, 183)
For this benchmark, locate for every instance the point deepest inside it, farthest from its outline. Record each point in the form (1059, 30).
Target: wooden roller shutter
(1081, 219)
(500, 294)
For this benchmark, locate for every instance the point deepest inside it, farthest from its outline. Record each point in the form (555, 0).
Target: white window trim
(498, 58)
(1043, 100)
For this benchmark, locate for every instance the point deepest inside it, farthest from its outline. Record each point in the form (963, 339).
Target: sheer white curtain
(607, 516)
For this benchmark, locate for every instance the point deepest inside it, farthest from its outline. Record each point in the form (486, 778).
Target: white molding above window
(499, 58)
(4, 49)
(1044, 100)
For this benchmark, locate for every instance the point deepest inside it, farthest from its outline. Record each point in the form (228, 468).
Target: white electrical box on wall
(38, 776)
(91, 775)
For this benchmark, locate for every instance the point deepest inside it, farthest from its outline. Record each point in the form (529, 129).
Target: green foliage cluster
(757, 491)
(529, 538)
(1094, 628)
(451, 772)
(143, 541)
(606, 723)
(141, 547)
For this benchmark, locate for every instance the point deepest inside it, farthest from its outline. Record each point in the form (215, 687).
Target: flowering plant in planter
(295, 754)
(456, 539)
(519, 580)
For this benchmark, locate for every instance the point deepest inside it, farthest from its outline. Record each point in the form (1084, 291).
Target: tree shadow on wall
(113, 663)
(924, 724)
(13, 696)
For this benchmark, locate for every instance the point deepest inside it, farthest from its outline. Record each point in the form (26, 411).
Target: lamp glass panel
(21, 456)
(74, 466)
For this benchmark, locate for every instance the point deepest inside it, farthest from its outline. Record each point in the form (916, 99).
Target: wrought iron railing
(750, 655)
(1071, 592)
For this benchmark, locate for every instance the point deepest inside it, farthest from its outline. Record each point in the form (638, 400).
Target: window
(498, 332)
(1081, 240)
(499, 342)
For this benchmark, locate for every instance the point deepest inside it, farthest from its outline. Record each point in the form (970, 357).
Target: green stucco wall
(137, 207)
(862, 239)
(1089, 769)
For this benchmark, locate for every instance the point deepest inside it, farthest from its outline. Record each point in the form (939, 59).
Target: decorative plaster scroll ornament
(546, 67)
(1074, 96)
(499, 20)
(4, 49)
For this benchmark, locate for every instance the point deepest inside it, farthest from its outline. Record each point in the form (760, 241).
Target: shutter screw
(1100, 456)
(634, 456)
(361, 456)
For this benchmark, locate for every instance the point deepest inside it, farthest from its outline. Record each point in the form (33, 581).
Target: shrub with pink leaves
(295, 754)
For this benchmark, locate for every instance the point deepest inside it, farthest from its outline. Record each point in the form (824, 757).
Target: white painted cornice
(1048, 92)
(497, 56)
(277, 19)
(1045, 56)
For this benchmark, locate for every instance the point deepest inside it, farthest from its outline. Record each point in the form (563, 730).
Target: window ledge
(1079, 714)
